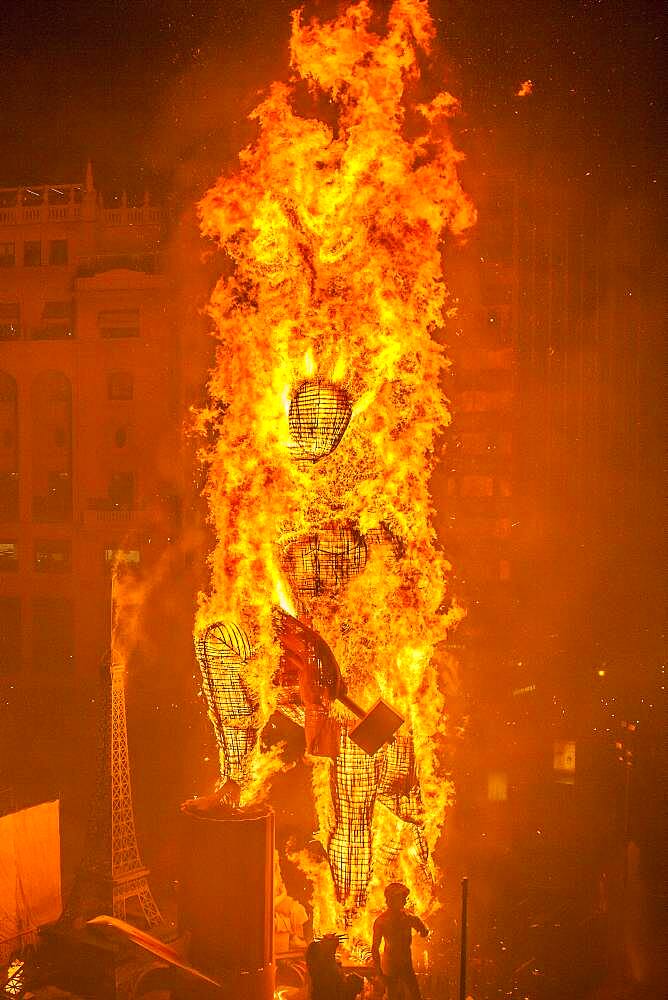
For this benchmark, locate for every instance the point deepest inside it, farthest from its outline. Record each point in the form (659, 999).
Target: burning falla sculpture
(327, 585)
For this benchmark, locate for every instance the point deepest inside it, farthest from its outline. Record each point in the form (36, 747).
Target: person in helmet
(395, 927)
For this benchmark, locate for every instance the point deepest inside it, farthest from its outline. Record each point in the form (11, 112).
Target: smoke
(202, 120)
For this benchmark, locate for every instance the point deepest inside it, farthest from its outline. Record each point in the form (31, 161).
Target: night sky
(152, 90)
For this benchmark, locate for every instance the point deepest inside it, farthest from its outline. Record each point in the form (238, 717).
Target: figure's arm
(375, 947)
(417, 925)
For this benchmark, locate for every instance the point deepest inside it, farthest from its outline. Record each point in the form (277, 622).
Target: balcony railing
(16, 215)
(69, 202)
(114, 515)
(149, 263)
(166, 512)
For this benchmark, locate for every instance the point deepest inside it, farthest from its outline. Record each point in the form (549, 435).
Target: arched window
(53, 635)
(51, 408)
(9, 449)
(120, 385)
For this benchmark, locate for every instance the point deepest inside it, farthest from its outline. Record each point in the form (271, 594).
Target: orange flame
(334, 232)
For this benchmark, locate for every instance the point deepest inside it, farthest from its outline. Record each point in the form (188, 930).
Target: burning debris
(326, 402)
(525, 89)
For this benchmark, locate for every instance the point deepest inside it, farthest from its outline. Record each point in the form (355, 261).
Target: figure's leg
(222, 652)
(236, 747)
(411, 986)
(394, 988)
(354, 783)
(399, 792)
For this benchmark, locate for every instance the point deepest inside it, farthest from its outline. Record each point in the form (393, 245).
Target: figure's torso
(397, 931)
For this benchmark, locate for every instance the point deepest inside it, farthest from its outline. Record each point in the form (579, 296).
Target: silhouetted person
(395, 927)
(327, 981)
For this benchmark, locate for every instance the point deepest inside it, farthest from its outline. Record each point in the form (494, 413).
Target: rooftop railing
(70, 202)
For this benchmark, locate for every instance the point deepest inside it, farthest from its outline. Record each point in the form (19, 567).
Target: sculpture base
(226, 898)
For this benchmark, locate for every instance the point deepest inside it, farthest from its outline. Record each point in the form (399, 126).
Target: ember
(326, 327)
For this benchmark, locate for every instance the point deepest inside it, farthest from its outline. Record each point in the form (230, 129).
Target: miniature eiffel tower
(112, 875)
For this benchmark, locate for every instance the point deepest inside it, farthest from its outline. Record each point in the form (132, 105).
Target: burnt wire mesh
(422, 851)
(322, 561)
(354, 781)
(386, 537)
(291, 708)
(388, 851)
(399, 789)
(221, 652)
(318, 416)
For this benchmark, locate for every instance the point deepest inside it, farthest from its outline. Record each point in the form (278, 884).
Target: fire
(14, 983)
(326, 402)
(525, 89)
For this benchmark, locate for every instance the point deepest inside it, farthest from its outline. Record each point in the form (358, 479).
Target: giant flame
(334, 234)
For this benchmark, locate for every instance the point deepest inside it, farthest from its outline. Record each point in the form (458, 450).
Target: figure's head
(396, 895)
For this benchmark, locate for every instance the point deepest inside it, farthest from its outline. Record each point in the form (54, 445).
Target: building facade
(91, 464)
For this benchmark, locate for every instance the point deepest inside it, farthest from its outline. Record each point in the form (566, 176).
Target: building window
(57, 322)
(9, 557)
(9, 456)
(7, 254)
(58, 252)
(56, 504)
(120, 437)
(505, 570)
(10, 320)
(497, 786)
(114, 555)
(563, 755)
(53, 556)
(51, 413)
(10, 634)
(117, 323)
(476, 486)
(57, 387)
(32, 253)
(122, 490)
(53, 635)
(120, 385)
